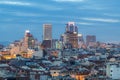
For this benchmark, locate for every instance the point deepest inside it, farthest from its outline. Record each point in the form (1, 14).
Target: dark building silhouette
(47, 43)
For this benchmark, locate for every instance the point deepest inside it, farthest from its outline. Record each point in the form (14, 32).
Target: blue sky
(93, 17)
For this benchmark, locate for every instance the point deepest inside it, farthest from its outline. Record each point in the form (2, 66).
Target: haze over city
(93, 17)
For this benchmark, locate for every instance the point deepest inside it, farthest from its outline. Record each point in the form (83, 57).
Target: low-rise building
(113, 70)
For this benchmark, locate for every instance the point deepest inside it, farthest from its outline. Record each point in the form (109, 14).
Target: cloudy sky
(93, 17)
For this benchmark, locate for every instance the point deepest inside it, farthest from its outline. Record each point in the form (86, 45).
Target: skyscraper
(47, 35)
(47, 32)
(80, 40)
(29, 41)
(71, 35)
(71, 28)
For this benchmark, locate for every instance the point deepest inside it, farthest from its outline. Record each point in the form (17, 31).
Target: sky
(93, 17)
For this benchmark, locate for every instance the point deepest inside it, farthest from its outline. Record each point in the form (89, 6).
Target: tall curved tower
(71, 35)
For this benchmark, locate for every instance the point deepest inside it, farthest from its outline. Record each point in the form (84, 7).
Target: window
(110, 74)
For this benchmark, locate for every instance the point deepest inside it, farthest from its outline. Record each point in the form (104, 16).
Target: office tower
(71, 35)
(90, 39)
(47, 32)
(62, 37)
(28, 41)
(80, 40)
(71, 28)
(54, 43)
(47, 35)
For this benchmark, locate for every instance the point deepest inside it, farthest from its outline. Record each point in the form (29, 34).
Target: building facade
(70, 37)
(90, 39)
(47, 32)
(28, 41)
(113, 70)
(80, 41)
(47, 35)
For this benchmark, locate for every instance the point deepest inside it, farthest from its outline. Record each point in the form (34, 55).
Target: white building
(113, 70)
(80, 40)
(38, 54)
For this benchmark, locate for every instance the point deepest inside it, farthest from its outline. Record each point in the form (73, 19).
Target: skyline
(93, 17)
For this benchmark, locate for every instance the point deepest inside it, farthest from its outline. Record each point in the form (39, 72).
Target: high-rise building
(54, 43)
(71, 35)
(90, 39)
(47, 35)
(71, 28)
(80, 41)
(80, 38)
(47, 32)
(28, 41)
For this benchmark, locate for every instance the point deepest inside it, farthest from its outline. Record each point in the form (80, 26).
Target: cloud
(25, 14)
(35, 5)
(17, 3)
(49, 7)
(102, 20)
(84, 23)
(21, 13)
(6, 20)
(68, 0)
(91, 8)
(112, 15)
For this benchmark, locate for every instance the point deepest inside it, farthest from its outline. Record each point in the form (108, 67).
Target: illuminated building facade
(71, 35)
(47, 35)
(47, 32)
(28, 41)
(80, 41)
(71, 28)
